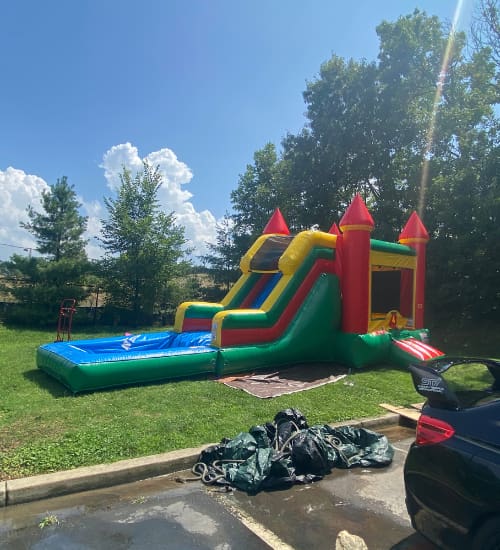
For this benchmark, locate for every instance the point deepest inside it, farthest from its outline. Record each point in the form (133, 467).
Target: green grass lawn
(44, 428)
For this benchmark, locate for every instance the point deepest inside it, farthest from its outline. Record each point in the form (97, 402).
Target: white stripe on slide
(406, 346)
(433, 352)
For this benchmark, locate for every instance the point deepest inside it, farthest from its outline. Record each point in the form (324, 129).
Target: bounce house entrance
(391, 298)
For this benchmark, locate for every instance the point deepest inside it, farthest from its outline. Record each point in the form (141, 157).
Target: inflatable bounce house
(338, 297)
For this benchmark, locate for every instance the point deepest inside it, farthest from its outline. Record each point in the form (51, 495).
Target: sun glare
(437, 100)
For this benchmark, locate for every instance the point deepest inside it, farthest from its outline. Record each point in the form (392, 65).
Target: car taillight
(431, 430)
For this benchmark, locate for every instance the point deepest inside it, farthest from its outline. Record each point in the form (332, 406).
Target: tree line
(144, 254)
(417, 129)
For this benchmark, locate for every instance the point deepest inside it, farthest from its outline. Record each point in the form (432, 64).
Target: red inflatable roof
(334, 229)
(276, 224)
(357, 215)
(414, 229)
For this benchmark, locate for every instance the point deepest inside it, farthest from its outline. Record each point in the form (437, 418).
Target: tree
(463, 207)
(337, 153)
(485, 30)
(415, 130)
(368, 125)
(39, 284)
(260, 191)
(143, 245)
(59, 229)
(224, 256)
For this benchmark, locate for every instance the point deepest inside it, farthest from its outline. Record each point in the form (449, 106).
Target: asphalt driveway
(163, 513)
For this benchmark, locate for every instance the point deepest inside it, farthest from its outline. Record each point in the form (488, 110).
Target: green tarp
(288, 451)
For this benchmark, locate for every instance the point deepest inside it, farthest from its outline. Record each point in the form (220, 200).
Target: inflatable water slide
(306, 298)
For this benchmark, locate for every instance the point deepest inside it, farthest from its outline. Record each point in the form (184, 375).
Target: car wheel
(488, 535)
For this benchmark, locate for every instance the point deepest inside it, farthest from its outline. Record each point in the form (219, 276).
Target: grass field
(44, 428)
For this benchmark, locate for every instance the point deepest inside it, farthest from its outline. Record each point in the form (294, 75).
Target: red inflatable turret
(334, 230)
(276, 224)
(356, 226)
(416, 236)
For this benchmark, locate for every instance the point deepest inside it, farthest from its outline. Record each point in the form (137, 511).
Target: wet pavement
(163, 513)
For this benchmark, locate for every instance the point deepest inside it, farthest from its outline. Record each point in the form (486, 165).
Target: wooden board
(412, 414)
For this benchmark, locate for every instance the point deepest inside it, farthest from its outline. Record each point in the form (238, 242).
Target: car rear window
(472, 383)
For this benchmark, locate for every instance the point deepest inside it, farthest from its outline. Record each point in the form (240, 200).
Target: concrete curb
(17, 491)
(86, 478)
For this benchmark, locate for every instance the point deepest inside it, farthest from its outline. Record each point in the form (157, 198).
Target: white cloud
(18, 190)
(199, 226)
(119, 156)
(95, 212)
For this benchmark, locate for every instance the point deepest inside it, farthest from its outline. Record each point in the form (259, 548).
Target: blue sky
(196, 86)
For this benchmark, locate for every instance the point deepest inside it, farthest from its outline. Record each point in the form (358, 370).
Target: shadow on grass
(53, 386)
(58, 390)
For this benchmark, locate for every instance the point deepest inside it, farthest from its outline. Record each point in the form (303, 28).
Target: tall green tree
(415, 130)
(337, 153)
(485, 29)
(368, 125)
(464, 200)
(59, 228)
(259, 192)
(144, 246)
(263, 187)
(39, 284)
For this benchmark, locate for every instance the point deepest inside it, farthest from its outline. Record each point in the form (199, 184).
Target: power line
(28, 249)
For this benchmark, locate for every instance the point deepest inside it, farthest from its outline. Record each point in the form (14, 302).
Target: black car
(452, 471)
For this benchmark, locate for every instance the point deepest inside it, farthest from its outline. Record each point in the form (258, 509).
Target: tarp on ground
(286, 381)
(287, 451)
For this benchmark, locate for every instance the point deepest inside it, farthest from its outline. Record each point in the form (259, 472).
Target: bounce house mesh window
(268, 255)
(386, 291)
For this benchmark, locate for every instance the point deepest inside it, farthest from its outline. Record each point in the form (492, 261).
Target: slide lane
(249, 291)
(307, 337)
(260, 297)
(245, 326)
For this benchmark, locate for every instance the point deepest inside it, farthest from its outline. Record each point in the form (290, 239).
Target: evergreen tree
(39, 284)
(59, 229)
